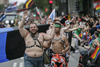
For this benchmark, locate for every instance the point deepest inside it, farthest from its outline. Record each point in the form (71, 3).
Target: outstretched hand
(96, 40)
(25, 14)
(82, 41)
(80, 26)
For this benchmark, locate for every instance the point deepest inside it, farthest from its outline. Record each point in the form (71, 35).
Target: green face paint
(56, 25)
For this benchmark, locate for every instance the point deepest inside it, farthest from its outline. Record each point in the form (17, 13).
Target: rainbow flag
(90, 40)
(80, 35)
(97, 7)
(28, 5)
(96, 53)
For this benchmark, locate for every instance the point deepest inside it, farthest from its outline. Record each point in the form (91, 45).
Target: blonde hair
(56, 19)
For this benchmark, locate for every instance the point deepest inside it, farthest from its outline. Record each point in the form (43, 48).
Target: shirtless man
(59, 41)
(33, 54)
(58, 45)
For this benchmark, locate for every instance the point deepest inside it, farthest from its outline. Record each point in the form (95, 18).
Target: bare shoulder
(64, 36)
(42, 34)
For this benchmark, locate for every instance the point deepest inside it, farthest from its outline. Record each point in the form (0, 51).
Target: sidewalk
(73, 59)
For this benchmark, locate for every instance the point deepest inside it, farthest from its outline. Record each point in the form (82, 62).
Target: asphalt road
(73, 62)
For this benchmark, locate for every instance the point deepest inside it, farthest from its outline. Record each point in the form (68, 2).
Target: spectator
(91, 29)
(49, 21)
(16, 22)
(29, 22)
(99, 19)
(87, 18)
(43, 21)
(1, 26)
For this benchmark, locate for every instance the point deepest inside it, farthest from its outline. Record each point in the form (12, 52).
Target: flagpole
(50, 15)
(39, 13)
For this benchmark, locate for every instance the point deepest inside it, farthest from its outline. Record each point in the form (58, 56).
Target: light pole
(50, 2)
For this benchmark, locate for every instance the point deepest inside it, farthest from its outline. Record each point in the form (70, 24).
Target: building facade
(1, 1)
(4, 1)
(69, 7)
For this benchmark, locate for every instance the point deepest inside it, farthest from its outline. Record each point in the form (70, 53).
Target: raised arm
(87, 47)
(22, 30)
(49, 37)
(95, 24)
(65, 28)
(73, 29)
(97, 42)
(86, 29)
(78, 37)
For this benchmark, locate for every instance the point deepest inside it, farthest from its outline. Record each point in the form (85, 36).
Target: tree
(42, 4)
(2, 7)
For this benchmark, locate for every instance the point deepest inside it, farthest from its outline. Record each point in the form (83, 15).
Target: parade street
(73, 62)
(49, 33)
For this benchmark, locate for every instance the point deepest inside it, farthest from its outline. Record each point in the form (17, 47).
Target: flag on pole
(97, 7)
(64, 19)
(69, 17)
(2, 16)
(91, 38)
(38, 12)
(28, 5)
(81, 35)
(52, 15)
(12, 7)
(96, 53)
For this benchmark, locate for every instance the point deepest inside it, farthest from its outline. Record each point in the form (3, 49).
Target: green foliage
(42, 4)
(1, 6)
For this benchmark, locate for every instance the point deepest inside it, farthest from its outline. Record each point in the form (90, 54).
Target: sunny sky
(18, 1)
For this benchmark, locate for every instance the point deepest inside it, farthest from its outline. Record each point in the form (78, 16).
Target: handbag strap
(39, 43)
(35, 38)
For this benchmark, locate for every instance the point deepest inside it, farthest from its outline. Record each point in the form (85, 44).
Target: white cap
(84, 33)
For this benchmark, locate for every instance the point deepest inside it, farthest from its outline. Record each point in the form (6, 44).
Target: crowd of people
(59, 38)
(16, 21)
(82, 32)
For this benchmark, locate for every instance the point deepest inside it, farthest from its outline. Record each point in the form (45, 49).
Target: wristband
(62, 50)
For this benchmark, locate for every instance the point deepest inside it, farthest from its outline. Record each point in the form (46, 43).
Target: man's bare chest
(30, 41)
